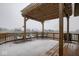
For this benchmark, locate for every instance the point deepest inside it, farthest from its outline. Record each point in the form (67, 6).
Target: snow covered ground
(30, 48)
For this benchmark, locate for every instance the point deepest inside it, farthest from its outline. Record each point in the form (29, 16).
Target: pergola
(47, 11)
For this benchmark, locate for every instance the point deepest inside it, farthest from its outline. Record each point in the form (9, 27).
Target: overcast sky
(10, 17)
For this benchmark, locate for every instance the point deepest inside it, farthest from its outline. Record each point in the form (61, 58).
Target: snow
(30, 48)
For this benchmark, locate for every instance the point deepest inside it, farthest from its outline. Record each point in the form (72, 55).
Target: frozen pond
(30, 48)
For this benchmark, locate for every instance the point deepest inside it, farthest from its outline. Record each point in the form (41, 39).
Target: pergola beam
(60, 29)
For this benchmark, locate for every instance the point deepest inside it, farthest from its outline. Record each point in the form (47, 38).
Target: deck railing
(6, 37)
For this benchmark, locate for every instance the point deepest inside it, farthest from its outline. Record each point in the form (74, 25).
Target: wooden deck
(31, 48)
(70, 49)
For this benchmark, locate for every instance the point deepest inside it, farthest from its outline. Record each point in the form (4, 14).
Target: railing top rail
(38, 33)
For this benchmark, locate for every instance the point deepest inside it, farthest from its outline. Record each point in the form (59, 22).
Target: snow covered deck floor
(31, 48)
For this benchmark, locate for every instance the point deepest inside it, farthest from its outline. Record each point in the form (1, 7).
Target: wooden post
(53, 36)
(60, 29)
(67, 28)
(42, 29)
(78, 38)
(37, 35)
(25, 28)
(5, 36)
